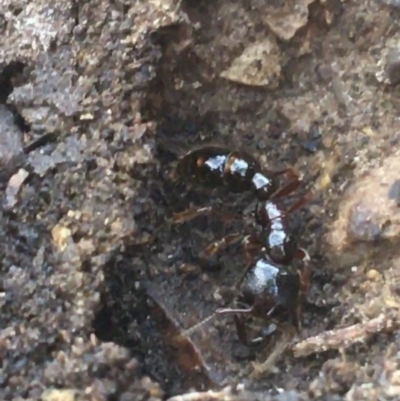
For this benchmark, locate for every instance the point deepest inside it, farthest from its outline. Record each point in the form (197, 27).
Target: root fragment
(343, 338)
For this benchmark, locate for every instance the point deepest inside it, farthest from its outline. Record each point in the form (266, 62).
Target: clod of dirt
(259, 65)
(385, 373)
(368, 214)
(336, 377)
(285, 19)
(10, 143)
(69, 151)
(304, 111)
(34, 28)
(91, 59)
(53, 92)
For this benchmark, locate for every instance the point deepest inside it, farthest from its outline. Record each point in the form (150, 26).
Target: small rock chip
(287, 18)
(259, 65)
(373, 274)
(369, 213)
(13, 187)
(69, 151)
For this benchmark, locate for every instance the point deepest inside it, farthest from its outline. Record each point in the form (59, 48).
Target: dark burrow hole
(131, 318)
(10, 73)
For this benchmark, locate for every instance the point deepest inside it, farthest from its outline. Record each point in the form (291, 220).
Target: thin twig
(343, 338)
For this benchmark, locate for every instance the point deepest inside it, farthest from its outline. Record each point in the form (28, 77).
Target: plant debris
(344, 337)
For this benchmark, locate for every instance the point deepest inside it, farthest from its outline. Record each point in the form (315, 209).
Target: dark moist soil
(95, 113)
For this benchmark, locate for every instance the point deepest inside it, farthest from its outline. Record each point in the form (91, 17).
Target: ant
(269, 288)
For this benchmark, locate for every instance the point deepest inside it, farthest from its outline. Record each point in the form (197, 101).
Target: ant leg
(305, 271)
(300, 203)
(288, 334)
(195, 327)
(290, 171)
(297, 320)
(220, 311)
(287, 189)
(217, 246)
(302, 255)
(252, 246)
(241, 329)
(223, 311)
(192, 213)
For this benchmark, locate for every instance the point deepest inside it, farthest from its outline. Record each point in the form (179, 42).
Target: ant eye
(200, 162)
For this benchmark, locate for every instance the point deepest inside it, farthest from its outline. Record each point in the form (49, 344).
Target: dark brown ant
(269, 288)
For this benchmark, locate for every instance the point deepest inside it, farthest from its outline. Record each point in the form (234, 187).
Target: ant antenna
(194, 328)
(220, 311)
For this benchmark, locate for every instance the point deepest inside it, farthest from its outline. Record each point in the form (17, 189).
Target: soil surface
(98, 100)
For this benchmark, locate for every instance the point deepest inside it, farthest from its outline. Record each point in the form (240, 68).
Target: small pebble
(373, 274)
